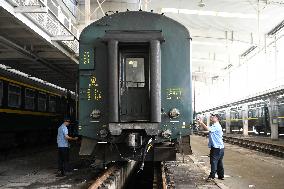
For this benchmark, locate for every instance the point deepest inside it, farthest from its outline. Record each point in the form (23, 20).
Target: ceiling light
(215, 77)
(276, 29)
(201, 3)
(248, 51)
(228, 67)
(209, 13)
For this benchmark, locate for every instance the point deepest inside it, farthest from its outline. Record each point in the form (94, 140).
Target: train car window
(52, 104)
(41, 102)
(135, 76)
(71, 111)
(1, 92)
(63, 105)
(232, 115)
(250, 113)
(236, 115)
(14, 96)
(257, 113)
(262, 112)
(253, 113)
(30, 99)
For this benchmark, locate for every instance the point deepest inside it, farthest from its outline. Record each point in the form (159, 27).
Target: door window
(135, 76)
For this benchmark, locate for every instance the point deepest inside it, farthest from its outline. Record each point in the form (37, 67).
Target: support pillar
(273, 117)
(113, 80)
(245, 120)
(228, 121)
(155, 80)
(208, 119)
(87, 12)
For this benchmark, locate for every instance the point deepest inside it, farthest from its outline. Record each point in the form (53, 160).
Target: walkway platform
(244, 168)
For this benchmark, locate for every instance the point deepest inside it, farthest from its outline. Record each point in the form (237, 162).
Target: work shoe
(221, 178)
(209, 179)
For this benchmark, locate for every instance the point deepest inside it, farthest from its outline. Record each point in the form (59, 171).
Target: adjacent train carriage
(30, 111)
(135, 87)
(258, 117)
(236, 119)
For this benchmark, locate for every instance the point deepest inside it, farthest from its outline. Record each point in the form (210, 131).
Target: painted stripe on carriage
(95, 121)
(251, 118)
(26, 85)
(102, 142)
(280, 117)
(24, 112)
(174, 121)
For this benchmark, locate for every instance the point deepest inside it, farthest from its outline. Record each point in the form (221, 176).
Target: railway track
(159, 179)
(266, 147)
(130, 175)
(115, 176)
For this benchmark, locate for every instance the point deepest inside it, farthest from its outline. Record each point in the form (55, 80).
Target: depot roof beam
(31, 56)
(10, 56)
(63, 38)
(100, 6)
(9, 7)
(97, 8)
(31, 9)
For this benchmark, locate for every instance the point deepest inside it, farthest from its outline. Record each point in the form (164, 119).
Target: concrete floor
(38, 170)
(243, 168)
(187, 175)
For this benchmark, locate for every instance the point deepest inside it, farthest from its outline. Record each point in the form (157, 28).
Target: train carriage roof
(132, 20)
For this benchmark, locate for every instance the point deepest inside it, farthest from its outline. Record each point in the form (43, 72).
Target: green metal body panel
(175, 71)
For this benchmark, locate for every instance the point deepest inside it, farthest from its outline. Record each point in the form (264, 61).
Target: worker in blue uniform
(63, 147)
(216, 146)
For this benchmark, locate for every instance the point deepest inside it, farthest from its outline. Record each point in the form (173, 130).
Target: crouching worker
(216, 146)
(63, 147)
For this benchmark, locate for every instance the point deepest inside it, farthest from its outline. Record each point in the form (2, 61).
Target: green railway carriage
(30, 111)
(135, 87)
